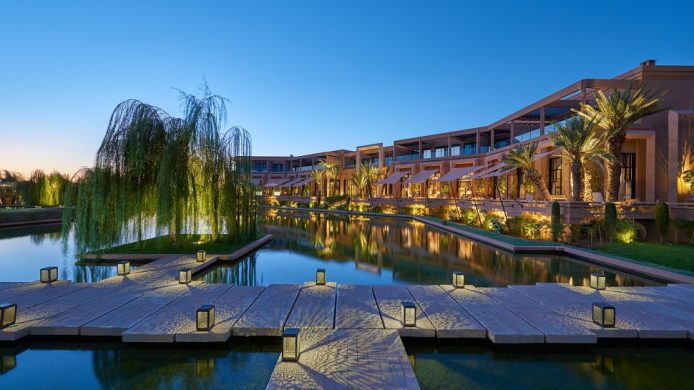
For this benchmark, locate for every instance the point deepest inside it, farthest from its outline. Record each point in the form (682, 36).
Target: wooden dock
(350, 334)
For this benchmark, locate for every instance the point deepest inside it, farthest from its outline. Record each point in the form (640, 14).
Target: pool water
(457, 366)
(359, 250)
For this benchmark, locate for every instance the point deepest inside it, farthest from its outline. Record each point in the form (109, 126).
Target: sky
(332, 74)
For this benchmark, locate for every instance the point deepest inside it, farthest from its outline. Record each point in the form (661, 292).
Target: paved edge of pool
(658, 274)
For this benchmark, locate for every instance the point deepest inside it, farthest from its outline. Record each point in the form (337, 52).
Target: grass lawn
(667, 255)
(187, 243)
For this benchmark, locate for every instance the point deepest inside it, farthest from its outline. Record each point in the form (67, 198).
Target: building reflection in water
(410, 251)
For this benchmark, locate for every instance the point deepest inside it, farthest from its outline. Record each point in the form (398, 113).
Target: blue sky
(333, 74)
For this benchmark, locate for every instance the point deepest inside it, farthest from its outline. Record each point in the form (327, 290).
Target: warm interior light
(123, 268)
(598, 281)
(49, 274)
(8, 314)
(205, 317)
(458, 280)
(290, 345)
(409, 314)
(185, 276)
(604, 314)
(201, 256)
(320, 276)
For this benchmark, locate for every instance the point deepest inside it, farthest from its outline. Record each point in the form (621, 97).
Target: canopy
(303, 181)
(456, 173)
(255, 182)
(292, 182)
(494, 168)
(392, 179)
(422, 176)
(277, 183)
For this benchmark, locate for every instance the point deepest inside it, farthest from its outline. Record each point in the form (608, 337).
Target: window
(470, 148)
(628, 176)
(441, 152)
(555, 176)
(455, 150)
(426, 154)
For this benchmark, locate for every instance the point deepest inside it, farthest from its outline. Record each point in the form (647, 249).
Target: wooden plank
(161, 326)
(115, 322)
(556, 327)
(39, 293)
(347, 359)
(449, 319)
(28, 316)
(356, 308)
(578, 310)
(627, 311)
(267, 315)
(503, 326)
(228, 309)
(68, 323)
(314, 308)
(389, 300)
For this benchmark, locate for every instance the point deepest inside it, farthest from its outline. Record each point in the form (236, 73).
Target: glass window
(628, 175)
(555, 176)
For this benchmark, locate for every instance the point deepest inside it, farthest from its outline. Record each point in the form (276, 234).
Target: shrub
(556, 222)
(528, 226)
(415, 209)
(662, 218)
(610, 221)
(626, 231)
(386, 209)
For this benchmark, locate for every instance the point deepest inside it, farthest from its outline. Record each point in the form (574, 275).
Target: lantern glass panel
(409, 314)
(597, 281)
(185, 276)
(290, 344)
(609, 316)
(320, 276)
(8, 314)
(123, 268)
(458, 280)
(205, 317)
(604, 314)
(49, 274)
(201, 256)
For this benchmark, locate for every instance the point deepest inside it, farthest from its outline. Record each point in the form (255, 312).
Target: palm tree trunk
(614, 168)
(576, 181)
(587, 187)
(535, 176)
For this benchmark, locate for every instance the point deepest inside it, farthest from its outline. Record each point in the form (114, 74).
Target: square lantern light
(320, 276)
(409, 314)
(458, 280)
(185, 275)
(604, 314)
(290, 345)
(49, 274)
(597, 281)
(123, 268)
(204, 317)
(201, 256)
(8, 314)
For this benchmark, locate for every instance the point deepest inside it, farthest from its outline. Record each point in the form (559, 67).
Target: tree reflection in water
(409, 250)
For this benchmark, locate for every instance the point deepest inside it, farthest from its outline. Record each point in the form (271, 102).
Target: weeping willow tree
(42, 189)
(174, 175)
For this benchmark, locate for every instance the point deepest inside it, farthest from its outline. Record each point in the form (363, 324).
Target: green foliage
(42, 190)
(526, 226)
(662, 218)
(626, 231)
(557, 227)
(178, 175)
(682, 225)
(522, 158)
(610, 222)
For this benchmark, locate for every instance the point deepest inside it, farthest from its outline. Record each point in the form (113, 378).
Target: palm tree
(579, 142)
(373, 174)
(331, 169)
(614, 114)
(317, 176)
(360, 180)
(522, 158)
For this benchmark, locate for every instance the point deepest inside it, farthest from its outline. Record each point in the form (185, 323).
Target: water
(544, 367)
(359, 250)
(237, 364)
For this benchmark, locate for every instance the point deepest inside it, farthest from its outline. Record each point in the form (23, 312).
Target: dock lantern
(458, 280)
(49, 274)
(185, 275)
(204, 317)
(320, 276)
(201, 256)
(8, 314)
(604, 314)
(409, 314)
(597, 281)
(123, 268)
(290, 345)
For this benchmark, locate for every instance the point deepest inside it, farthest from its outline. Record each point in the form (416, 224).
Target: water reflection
(23, 251)
(483, 367)
(237, 364)
(382, 251)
